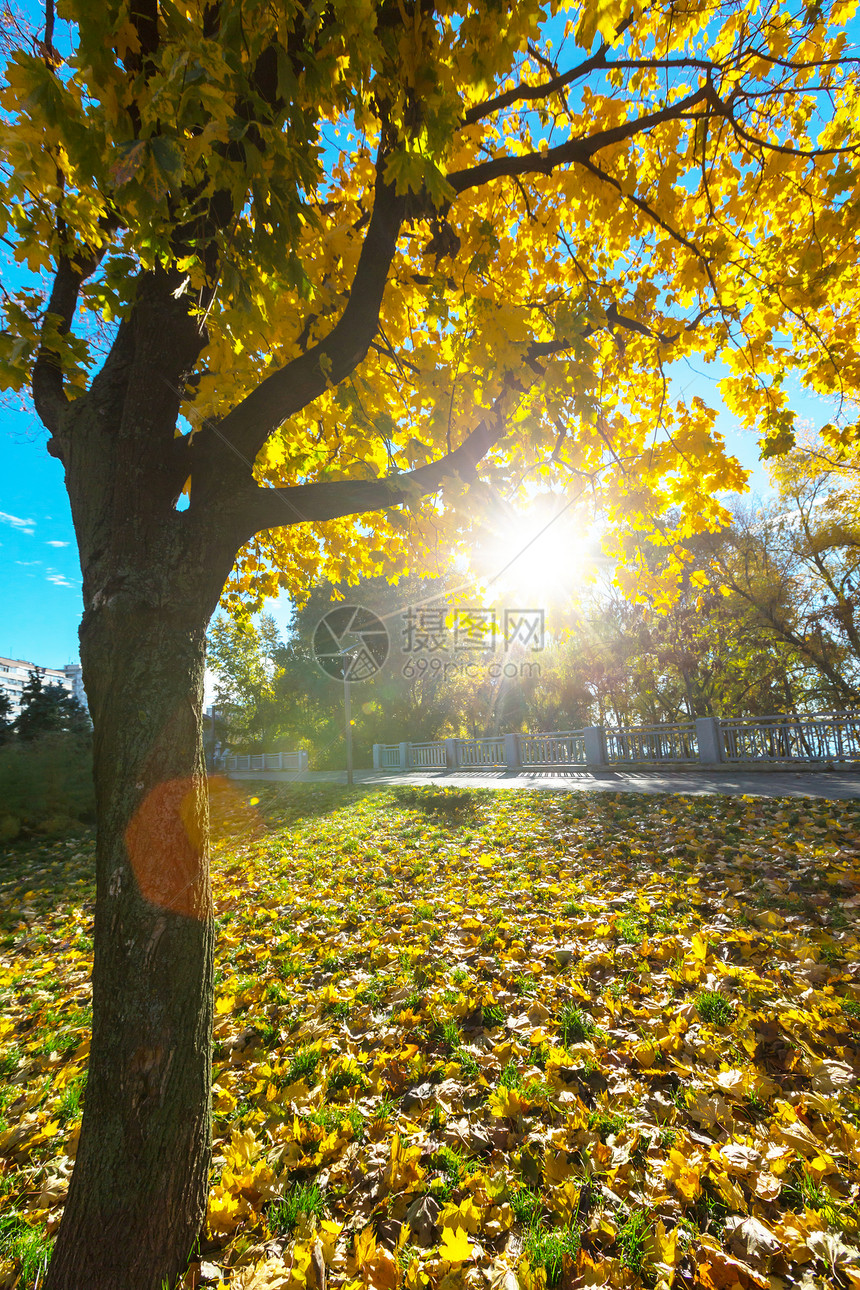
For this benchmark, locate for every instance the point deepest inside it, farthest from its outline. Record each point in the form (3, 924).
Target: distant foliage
(48, 709)
(46, 785)
(7, 724)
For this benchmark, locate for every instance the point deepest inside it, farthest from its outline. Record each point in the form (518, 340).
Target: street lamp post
(347, 707)
(347, 714)
(359, 660)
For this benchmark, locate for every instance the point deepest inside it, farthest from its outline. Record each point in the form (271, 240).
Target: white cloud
(58, 580)
(15, 522)
(55, 543)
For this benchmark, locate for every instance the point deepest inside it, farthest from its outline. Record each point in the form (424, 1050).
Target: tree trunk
(138, 1193)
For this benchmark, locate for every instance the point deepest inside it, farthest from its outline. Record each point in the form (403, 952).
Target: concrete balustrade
(813, 740)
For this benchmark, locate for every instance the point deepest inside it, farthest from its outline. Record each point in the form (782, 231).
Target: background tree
(48, 709)
(7, 721)
(243, 657)
(306, 263)
(792, 564)
(277, 696)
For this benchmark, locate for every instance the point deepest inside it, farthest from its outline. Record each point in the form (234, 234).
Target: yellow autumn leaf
(454, 1246)
(507, 1103)
(403, 1169)
(662, 1247)
(699, 947)
(328, 1232)
(646, 1053)
(466, 1215)
(225, 1211)
(565, 1201)
(731, 1192)
(365, 1247)
(600, 16)
(685, 1178)
(557, 1167)
(243, 1147)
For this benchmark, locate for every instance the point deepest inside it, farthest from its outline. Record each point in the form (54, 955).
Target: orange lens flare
(165, 844)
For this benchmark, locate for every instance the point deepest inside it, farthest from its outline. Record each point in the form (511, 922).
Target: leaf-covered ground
(482, 1039)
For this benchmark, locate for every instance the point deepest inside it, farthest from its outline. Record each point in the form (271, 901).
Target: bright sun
(541, 558)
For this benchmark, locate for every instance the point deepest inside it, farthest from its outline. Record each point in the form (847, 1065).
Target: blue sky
(41, 576)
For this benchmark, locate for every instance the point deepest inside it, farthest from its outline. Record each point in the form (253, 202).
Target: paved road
(836, 785)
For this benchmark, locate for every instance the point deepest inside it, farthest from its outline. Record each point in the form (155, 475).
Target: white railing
(566, 748)
(427, 755)
(297, 761)
(668, 743)
(820, 738)
(480, 752)
(813, 740)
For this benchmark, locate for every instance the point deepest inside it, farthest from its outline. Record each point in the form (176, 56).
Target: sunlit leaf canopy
(574, 196)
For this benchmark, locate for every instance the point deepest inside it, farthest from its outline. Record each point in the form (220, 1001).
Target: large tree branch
(256, 509)
(535, 93)
(235, 442)
(579, 150)
(291, 388)
(253, 509)
(243, 432)
(46, 383)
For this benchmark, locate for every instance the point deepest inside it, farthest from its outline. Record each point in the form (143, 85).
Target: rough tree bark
(151, 580)
(140, 1180)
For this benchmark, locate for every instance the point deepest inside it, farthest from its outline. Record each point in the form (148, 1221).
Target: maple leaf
(455, 1246)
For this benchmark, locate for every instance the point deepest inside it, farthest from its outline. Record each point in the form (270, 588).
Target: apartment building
(14, 673)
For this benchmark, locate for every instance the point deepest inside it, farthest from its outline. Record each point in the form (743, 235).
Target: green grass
(547, 1250)
(632, 1236)
(345, 1076)
(303, 1066)
(800, 1191)
(71, 1103)
(510, 1077)
(604, 1123)
(9, 1062)
(714, 1008)
(27, 1246)
(46, 786)
(326, 1117)
(468, 1064)
(303, 1199)
(451, 1165)
(575, 1025)
(632, 928)
(492, 1015)
(527, 1206)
